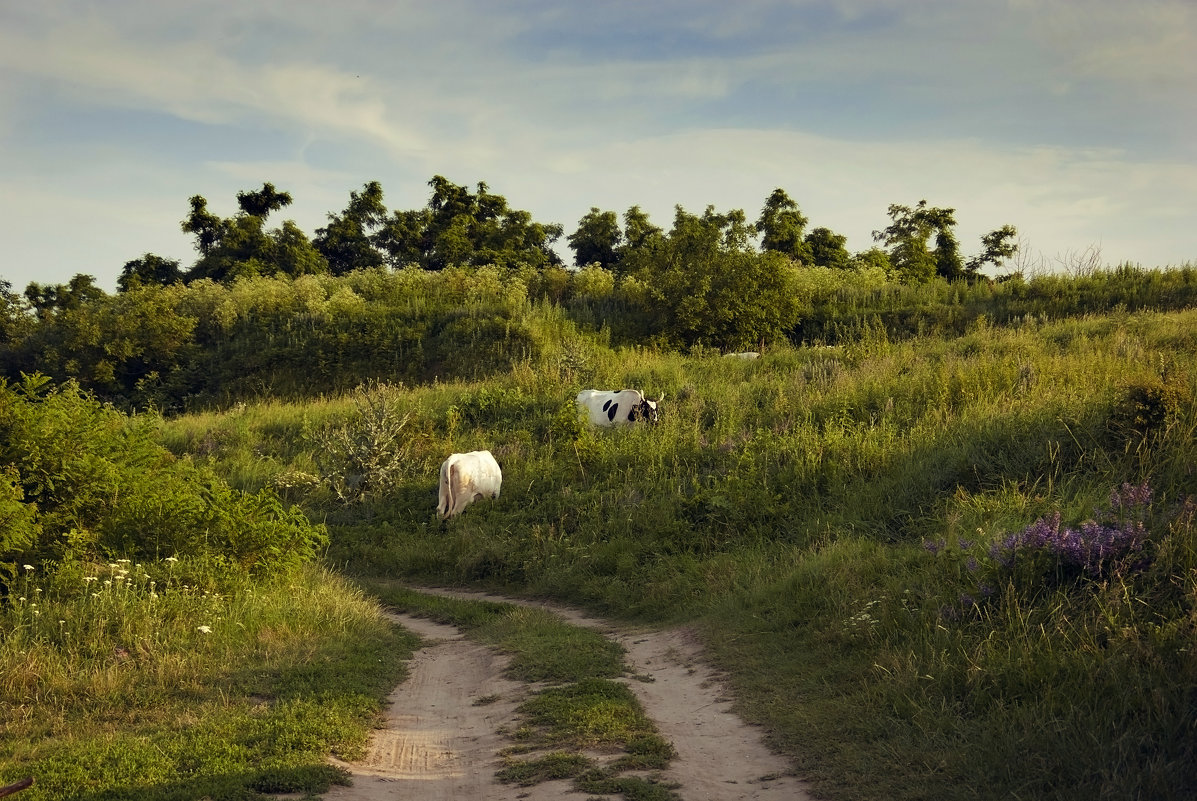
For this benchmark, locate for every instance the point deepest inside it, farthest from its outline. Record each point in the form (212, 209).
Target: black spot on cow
(611, 412)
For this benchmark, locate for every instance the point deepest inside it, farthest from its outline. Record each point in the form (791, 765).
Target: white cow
(748, 354)
(466, 477)
(607, 408)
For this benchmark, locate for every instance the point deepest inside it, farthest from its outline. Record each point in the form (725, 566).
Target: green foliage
(592, 713)
(597, 239)
(909, 234)
(710, 289)
(96, 485)
(351, 239)
(149, 270)
(782, 228)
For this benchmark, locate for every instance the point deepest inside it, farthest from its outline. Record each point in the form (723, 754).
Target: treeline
(458, 227)
(468, 286)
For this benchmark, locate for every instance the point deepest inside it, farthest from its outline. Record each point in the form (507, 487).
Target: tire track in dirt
(439, 743)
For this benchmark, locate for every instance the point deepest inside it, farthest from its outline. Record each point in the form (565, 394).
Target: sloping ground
(442, 740)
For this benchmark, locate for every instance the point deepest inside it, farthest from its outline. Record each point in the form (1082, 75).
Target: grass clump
(550, 767)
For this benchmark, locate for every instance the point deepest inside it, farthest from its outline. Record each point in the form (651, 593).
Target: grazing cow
(604, 408)
(748, 354)
(466, 477)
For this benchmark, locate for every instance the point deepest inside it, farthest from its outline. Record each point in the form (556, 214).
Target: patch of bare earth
(442, 737)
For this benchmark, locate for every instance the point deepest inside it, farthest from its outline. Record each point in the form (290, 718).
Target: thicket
(82, 483)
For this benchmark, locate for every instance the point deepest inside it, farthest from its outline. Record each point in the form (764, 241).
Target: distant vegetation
(940, 535)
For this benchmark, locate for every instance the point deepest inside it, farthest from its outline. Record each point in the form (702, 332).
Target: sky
(1075, 122)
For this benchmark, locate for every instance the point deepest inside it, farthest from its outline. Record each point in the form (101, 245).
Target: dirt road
(440, 742)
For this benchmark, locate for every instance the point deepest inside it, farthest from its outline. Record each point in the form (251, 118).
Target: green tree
(465, 228)
(782, 227)
(827, 249)
(908, 235)
(263, 201)
(402, 237)
(149, 270)
(50, 299)
(996, 247)
(241, 246)
(350, 240)
(712, 288)
(872, 259)
(14, 317)
(597, 239)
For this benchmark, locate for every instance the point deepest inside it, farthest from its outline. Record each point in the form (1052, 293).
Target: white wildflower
(204, 629)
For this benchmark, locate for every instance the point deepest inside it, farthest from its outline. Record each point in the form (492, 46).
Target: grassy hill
(938, 567)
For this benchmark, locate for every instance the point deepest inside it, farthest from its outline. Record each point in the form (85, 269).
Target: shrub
(80, 480)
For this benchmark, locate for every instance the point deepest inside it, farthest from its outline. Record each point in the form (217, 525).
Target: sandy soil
(442, 734)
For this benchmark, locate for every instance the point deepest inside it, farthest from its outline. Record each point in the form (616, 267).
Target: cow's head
(648, 409)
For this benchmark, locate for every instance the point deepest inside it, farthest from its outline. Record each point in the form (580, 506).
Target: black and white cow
(607, 408)
(466, 477)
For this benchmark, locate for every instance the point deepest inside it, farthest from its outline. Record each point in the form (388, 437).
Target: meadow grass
(784, 504)
(173, 680)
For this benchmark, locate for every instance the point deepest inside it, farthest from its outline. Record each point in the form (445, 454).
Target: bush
(80, 480)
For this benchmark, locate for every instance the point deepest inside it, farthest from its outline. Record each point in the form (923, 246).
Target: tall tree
(51, 299)
(263, 201)
(782, 227)
(349, 241)
(480, 228)
(827, 249)
(996, 247)
(710, 285)
(597, 239)
(639, 233)
(907, 237)
(241, 245)
(149, 270)
(909, 234)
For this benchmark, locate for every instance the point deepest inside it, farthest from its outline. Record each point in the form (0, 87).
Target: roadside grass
(152, 682)
(784, 504)
(581, 712)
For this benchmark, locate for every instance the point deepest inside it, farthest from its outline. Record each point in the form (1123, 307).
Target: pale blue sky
(1073, 121)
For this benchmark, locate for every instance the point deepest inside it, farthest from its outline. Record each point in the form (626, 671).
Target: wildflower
(123, 561)
(204, 629)
(90, 579)
(172, 559)
(29, 567)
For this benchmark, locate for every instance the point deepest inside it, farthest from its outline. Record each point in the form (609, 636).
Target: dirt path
(440, 743)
